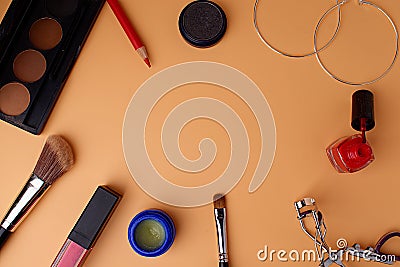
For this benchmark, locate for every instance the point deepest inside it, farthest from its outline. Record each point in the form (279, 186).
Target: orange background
(310, 109)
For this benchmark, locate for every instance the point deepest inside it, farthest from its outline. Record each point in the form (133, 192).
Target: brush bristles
(219, 201)
(55, 160)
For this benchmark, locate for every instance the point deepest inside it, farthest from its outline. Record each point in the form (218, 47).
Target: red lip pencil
(129, 30)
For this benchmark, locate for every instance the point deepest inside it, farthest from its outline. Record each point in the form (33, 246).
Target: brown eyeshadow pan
(29, 66)
(45, 33)
(14, 99)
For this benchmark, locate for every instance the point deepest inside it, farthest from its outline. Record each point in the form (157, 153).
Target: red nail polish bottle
(351, 154)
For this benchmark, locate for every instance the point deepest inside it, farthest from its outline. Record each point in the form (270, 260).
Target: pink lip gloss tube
(83, 236)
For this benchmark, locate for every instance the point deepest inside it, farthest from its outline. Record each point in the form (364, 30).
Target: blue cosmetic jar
(151, 233)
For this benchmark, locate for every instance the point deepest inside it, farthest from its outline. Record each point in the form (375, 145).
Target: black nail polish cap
(362, 107)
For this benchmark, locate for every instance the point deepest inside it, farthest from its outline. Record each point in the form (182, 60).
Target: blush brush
(55, 159)
(220, 220)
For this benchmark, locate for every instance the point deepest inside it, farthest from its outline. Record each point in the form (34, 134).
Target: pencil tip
(147, 61)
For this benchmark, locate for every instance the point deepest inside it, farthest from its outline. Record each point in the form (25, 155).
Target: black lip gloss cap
(202, 23)
(363, 108)
(94, 217)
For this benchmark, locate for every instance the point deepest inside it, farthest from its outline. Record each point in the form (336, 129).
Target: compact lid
(363, 108)
(202, 23)
(94, 217)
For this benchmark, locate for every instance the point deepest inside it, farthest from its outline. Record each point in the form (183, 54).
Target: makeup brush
(56, 159)
(220, 220)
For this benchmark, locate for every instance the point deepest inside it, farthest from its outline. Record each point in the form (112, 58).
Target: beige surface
(310, 110)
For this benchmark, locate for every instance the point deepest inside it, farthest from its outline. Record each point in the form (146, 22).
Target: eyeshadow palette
(39, 42)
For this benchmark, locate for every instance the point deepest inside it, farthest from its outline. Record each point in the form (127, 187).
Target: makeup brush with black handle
(56, 159)
(220, 220)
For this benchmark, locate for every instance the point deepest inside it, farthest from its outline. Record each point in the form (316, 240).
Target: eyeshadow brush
(55, 159)
(220, 220)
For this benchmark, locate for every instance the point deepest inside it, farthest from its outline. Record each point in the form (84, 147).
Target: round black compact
(202, 23)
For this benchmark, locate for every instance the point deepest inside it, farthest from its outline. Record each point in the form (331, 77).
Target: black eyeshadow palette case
(40, 41)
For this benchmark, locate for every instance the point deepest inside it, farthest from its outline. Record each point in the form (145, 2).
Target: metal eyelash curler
(307, 208)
